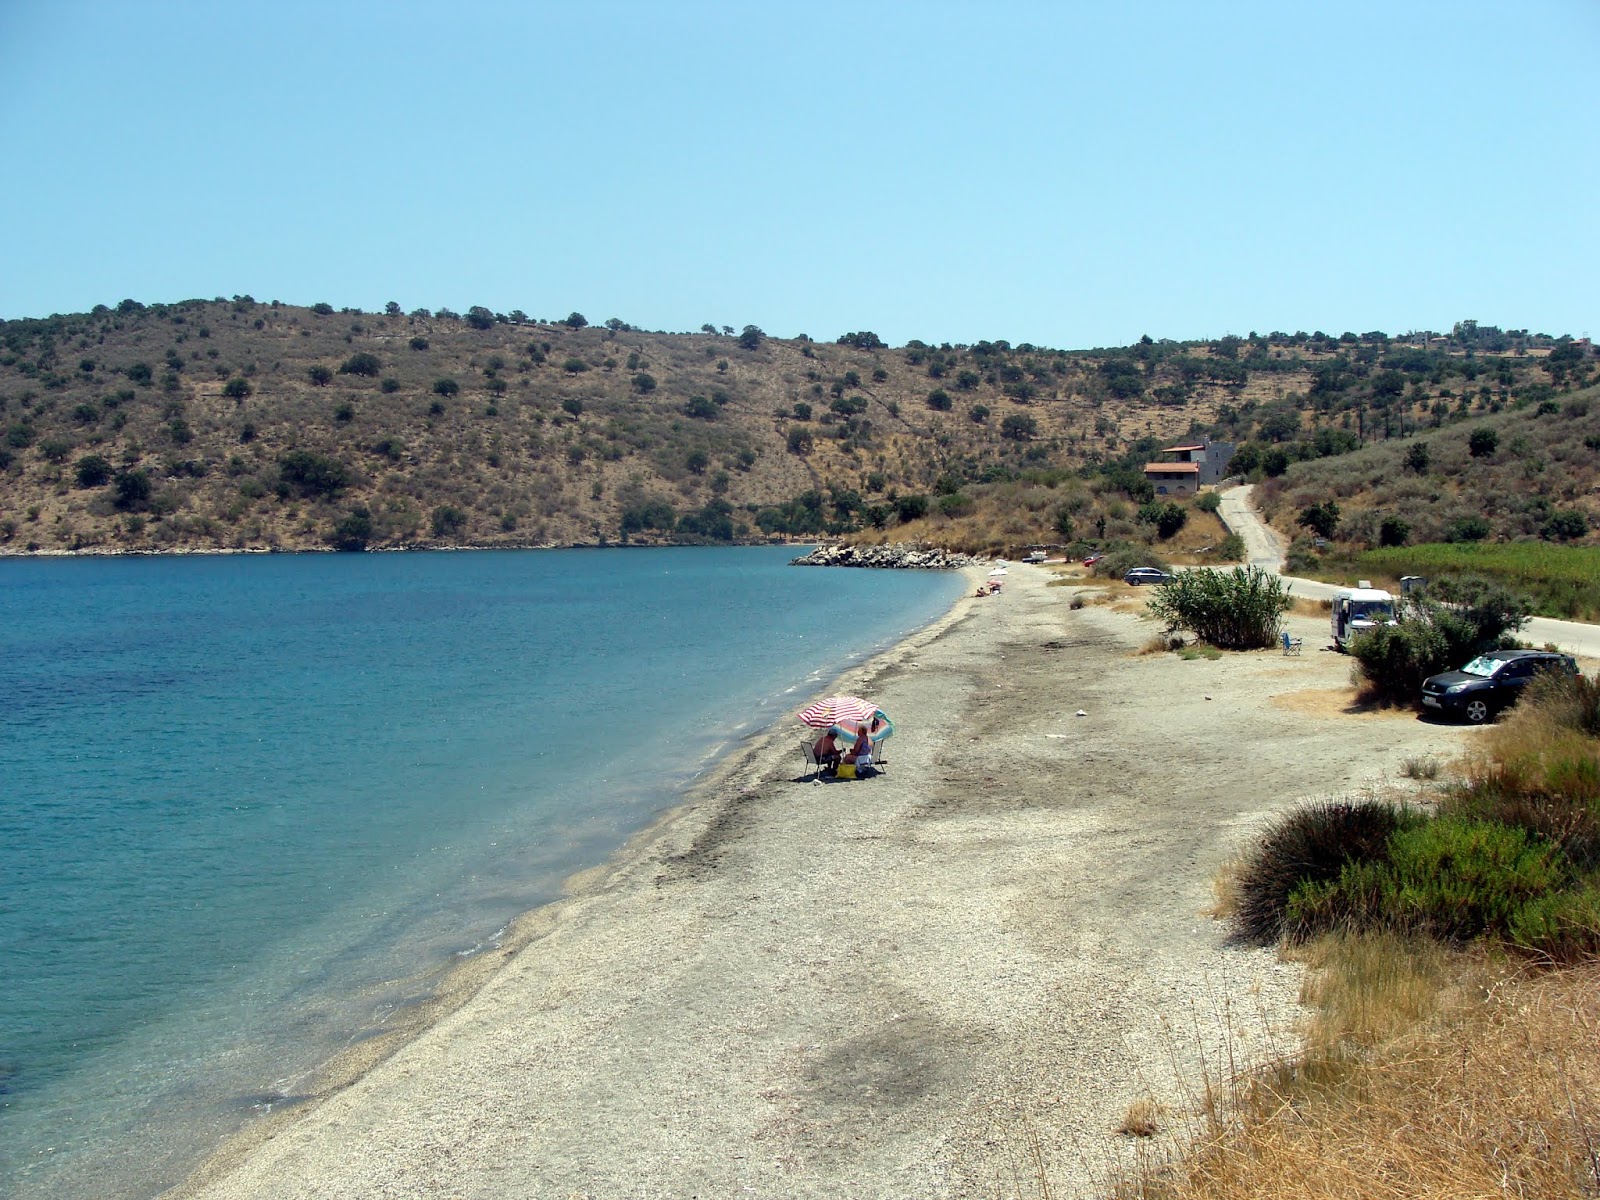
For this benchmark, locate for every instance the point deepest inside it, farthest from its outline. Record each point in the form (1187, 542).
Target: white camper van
(1358, 609)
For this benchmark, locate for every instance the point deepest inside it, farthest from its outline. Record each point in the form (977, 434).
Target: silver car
(1146, 575)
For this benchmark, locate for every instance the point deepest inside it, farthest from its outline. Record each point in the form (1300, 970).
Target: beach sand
(952, 979)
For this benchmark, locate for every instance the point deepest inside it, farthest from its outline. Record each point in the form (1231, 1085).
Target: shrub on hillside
(1312, 843)
(303, 473)
(354, 531)
(93, 470)
(361, 363)
(1241, 609)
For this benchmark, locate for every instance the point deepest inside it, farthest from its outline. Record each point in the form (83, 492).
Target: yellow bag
(845, 771)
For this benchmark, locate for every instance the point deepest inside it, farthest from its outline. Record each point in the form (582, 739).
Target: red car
(1092, 559)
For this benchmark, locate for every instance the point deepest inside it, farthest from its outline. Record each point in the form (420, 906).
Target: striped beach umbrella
(824, 714)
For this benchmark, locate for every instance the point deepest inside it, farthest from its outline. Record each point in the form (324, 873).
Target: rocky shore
(903, 556)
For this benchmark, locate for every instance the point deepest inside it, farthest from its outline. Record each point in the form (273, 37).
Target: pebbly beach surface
(951, 979)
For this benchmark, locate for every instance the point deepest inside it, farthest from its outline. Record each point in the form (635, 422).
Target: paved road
(1264, 547)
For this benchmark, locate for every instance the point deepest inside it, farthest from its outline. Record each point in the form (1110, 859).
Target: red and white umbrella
(837, 710)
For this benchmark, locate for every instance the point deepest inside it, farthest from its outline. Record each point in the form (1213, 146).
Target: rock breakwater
(901, 556)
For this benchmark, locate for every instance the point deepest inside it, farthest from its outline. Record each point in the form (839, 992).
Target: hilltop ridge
(237, 424)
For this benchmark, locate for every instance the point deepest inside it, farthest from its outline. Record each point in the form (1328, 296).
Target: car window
(1482, 666)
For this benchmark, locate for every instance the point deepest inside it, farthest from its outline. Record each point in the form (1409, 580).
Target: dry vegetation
(1426, 1070)
(169, 426)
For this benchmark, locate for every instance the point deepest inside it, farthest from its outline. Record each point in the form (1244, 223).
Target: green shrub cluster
(1460, 619)
(1512, 854)
(1241, 609)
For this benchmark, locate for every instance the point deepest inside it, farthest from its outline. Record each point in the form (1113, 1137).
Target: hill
(236, 424)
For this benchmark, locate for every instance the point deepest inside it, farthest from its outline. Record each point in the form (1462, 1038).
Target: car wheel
(1476, 711)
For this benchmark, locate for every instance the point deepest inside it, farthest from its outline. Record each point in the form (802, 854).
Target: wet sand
(951, 979)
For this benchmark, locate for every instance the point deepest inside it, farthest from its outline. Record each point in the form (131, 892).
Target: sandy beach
(949, 980)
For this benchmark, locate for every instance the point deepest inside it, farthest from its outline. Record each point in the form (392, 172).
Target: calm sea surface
(250, 806)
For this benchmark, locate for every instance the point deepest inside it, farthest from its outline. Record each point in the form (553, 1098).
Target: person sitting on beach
(861, 753)
(826, 751)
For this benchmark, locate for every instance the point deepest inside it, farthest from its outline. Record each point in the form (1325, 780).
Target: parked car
(1490, 682)
(1146, 575)
(1092, 559)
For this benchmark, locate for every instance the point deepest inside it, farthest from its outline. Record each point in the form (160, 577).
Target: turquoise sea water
(250, 806)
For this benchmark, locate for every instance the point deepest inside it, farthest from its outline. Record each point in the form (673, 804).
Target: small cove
(254, 805)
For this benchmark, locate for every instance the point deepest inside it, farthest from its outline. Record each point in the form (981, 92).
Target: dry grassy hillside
(238, 424)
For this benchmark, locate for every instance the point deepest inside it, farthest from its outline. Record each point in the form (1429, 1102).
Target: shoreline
(914, 987)
(459, 982)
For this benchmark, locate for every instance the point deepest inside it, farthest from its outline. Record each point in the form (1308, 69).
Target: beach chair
(1291, 645)
(813, 764)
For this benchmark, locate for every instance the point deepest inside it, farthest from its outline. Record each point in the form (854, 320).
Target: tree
(1019, 427)
(236, 388)
(1483, 442)
(751, 338)
(644, 383)
(1322, 519)
(865, 340)
(447, 519)
(322, 308)
(800, 441)
(1167, 517)
(575, 320)
(1565, 524)
(1394, 531)
(697, 461)
(320, 375)
(573, 405)
(131, 490)
(354, 531)
(939, 399)
(392, 308)
(978, 413)
(419, 343)
(704, 410)
(911, 508)
(480, 317)
(304, 473)
(362, 363)
(1417, 457)
(94, 470)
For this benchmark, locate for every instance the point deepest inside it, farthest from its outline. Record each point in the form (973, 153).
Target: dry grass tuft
(1142, 1119)
(1424, 767)
(1496, 1094)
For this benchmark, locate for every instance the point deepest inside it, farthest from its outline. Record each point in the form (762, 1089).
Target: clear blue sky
(1068, 174)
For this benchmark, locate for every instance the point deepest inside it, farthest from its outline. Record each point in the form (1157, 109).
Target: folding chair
(813, 764)
(1290, 645)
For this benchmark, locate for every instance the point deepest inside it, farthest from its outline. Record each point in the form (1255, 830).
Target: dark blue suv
(1490, 682)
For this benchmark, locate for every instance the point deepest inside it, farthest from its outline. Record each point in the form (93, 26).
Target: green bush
(94, 470)
(1208, 502)
(319, 375)
(303, 473)
(1314, 842)
(1454, 880)
(447, 519)
(1122, 558)
(446, 387)
(361, 364)
(1460, 619)
(131, 490)
(1241, 609)
(1562, 927)
(354, 531)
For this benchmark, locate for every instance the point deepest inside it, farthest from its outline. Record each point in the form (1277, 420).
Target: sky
(1066, 174)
